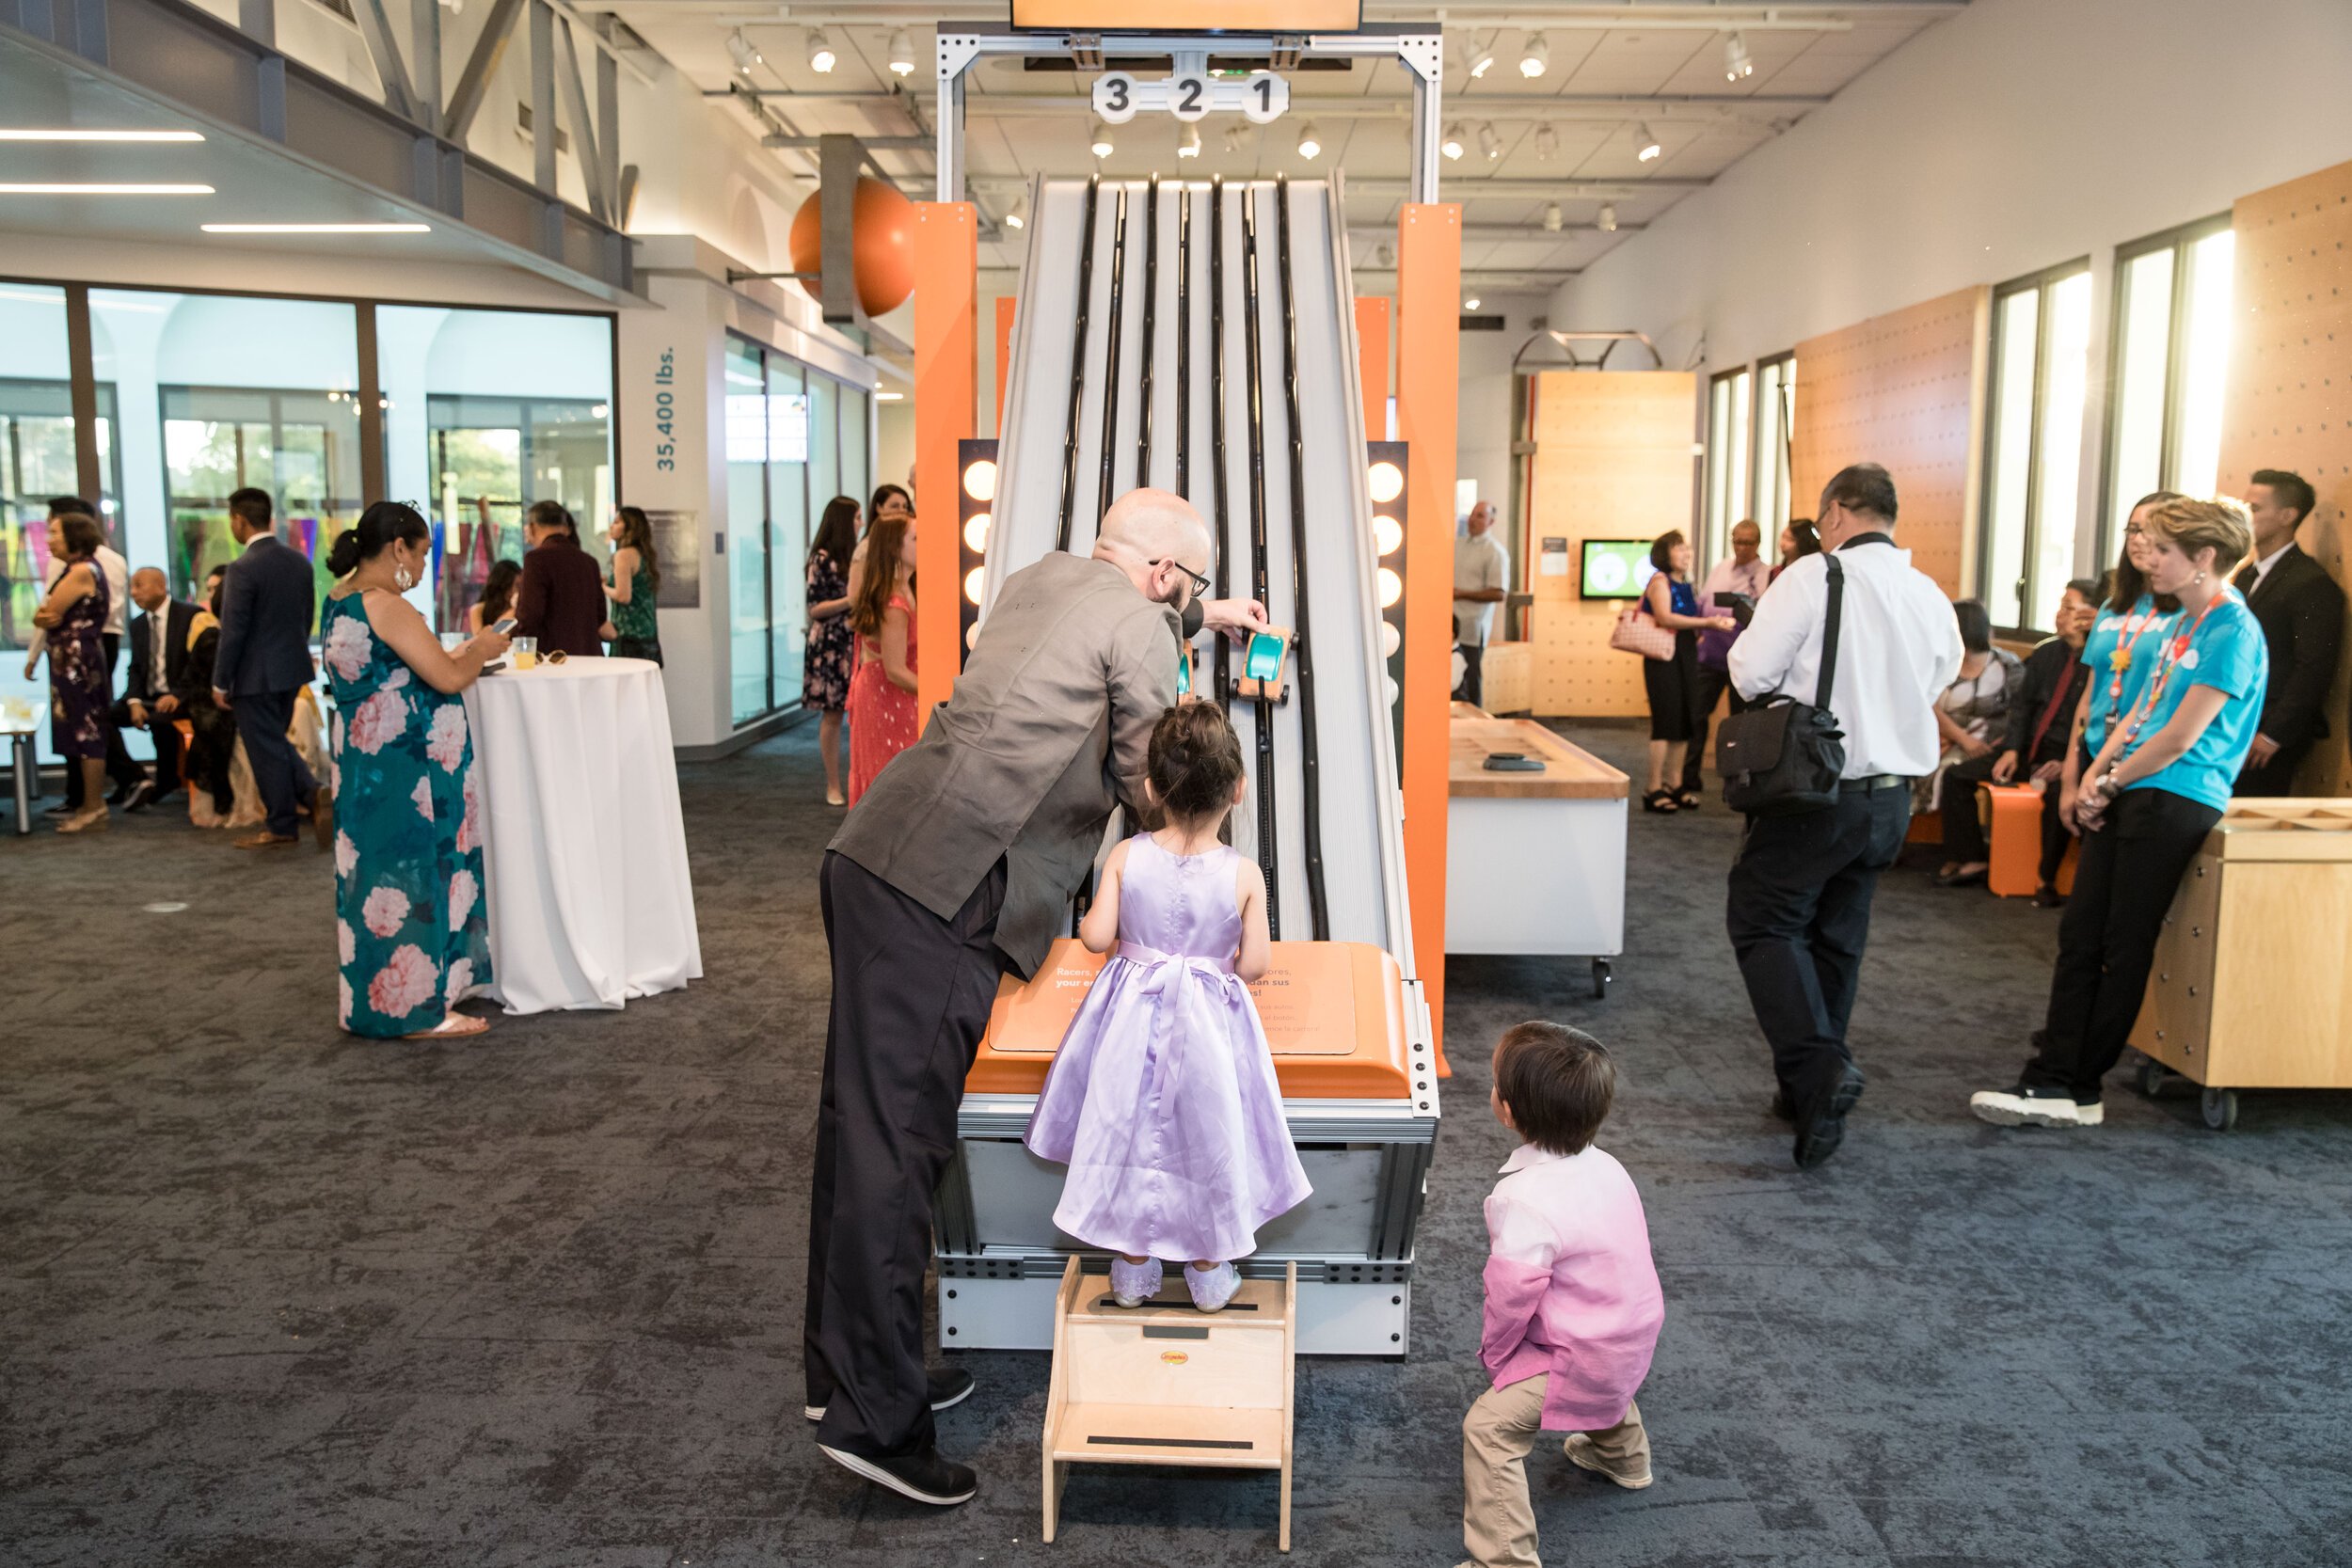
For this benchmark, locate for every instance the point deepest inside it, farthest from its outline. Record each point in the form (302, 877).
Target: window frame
(2039, 283)
(2179, 241)
(1783, 451)
(1713, 531)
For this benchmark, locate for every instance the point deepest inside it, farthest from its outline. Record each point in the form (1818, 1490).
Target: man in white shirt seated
(1798, 911)
(1481, 573)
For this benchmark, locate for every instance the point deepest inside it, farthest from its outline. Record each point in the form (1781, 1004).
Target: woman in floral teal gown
(411, 925)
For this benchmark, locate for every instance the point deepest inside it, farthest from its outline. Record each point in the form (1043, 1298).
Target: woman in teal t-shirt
(2122, 648)
(2159, 782)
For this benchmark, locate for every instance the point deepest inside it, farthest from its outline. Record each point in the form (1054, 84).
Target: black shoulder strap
(1829, 635)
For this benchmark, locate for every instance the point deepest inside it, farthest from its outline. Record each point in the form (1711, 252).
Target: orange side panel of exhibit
(1428, 377)
(946, 369)
(1333, 1012)
(1371, 363)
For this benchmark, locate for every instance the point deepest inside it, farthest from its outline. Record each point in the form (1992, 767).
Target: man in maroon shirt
(561, 598)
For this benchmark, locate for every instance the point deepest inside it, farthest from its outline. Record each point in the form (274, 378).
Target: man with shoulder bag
(1841, 667)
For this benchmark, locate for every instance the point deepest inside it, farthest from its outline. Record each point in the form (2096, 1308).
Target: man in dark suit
(266, 603)
(561, 598)
(160, 634)
(2301, 613)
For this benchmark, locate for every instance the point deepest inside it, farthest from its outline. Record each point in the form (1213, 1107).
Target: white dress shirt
(118, 588)
(2262, 568)
(1480, 563)
(1898, 648)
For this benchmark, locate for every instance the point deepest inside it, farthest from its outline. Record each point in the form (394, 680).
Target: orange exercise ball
(881, 245)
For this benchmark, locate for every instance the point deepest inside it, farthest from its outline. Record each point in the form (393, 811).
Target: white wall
(2016, 135)
(1483, 447)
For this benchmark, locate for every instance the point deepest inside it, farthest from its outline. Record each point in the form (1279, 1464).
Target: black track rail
(1110, 361)
(1150, 319)
(1078, 370)
(1216, 424)
(1303, 648)
(1183, 342)
(1268, 861)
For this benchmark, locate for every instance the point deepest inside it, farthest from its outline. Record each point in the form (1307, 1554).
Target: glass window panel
(2144, 335)
(824, 437)
(2016, 319)
(486, 412)
(856, 443)
(747, 529)
(1738, 480)
(2197, 461)
(37, 461)
(787, 509)
(2066, 343)
(1771, 507)
(1713, 524)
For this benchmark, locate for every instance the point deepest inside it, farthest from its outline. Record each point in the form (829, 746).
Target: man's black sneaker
(946, 1386)
(924, 1477)
(1818, 1136)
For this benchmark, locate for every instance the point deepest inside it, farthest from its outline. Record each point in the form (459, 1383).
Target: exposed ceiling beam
(1529, 232)
(1579, 15)
(1457, 190)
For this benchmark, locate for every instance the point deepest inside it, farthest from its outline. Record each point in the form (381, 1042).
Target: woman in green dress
(411, 924)
(634, 631)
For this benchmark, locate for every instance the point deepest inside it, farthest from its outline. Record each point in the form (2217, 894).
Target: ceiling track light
(901, 54)
(1189, 142)
(1546, 143)
(1470, 304)
(1490, 143)
(742, 50)
(1385, 258)
(1536, 57)
(1235, 135)
(1019, 216)
(1644, 144)
(1552, 217)
(1476, 60)
(1309, 147)
(1736, 61)
(1451, 145)
(1099, 140)
(1608, 217)
(822, 59)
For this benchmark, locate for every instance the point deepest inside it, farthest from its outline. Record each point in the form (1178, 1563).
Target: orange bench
(2016, 841)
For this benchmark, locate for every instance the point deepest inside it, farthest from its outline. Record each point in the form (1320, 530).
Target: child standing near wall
(1572, 1300)
(1162, 1100)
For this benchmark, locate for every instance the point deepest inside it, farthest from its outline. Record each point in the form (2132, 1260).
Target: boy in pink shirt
(1572, 1301)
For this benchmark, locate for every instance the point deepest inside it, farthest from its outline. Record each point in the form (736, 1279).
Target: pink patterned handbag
(1637, 631)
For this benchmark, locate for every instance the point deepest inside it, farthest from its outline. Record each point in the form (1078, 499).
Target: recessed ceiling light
(87, 189)
(28, 134)
(1535, 57)
(317, 228)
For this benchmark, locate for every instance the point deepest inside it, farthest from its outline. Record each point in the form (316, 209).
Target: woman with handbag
(1672, 681)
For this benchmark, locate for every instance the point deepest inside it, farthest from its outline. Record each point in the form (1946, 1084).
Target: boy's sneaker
(1584, 1456)
(2028, 1105)
(1133, 1284)
(1211, 1287)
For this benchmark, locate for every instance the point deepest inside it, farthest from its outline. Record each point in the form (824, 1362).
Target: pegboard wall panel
(2290, 402)
(1613, 461)
(1899, 389)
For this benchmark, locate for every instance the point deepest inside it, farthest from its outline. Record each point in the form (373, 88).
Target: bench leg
(1055, 1475)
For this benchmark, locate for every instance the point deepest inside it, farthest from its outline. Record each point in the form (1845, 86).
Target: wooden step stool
(1168, 1383)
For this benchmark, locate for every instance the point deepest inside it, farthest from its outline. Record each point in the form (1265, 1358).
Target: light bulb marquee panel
(1387, 474)
(975, 502)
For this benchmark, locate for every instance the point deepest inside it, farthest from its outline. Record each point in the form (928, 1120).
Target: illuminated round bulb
(1392, 587)
(972, 583)
(980, 480)
(1388, 685)
(1387, 533)
(901, 54)
(1388, 481)
(1535, 58)
(1309, 146)
(822, 59)
(975, 533)
(1099, 142)
(972, 638)
(1189, 142)
(1451, 145)
(1391, 640)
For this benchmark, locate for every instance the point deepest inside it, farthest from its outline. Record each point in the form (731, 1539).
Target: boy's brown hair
(1557, 1082)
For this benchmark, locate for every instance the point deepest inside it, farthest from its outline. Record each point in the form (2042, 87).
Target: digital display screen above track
(1194, 16)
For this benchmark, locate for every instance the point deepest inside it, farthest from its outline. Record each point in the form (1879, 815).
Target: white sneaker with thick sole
(1580, 1452)
(2009, 1108)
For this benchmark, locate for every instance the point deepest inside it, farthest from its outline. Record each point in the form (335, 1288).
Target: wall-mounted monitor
(1615, 569)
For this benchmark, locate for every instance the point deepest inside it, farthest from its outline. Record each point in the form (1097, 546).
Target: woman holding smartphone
(2159, 782)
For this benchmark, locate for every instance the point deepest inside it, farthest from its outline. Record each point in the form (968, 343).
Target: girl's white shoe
(1133, 1284)
(1211, 1287)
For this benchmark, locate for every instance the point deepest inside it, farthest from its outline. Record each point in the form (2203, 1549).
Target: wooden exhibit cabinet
(2251, 987)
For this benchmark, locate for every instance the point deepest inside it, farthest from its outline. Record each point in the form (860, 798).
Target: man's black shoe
(122, 792)
(1817, 1138)
(140, 797)
(924, 1477)
(60, 809)
(1780, 1108)
(946, 1386)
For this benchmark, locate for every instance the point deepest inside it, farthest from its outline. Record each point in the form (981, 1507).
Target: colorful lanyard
(2120, 657)
(2168, 661)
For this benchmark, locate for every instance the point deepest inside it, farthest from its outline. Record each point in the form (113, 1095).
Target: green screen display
(1616, 568)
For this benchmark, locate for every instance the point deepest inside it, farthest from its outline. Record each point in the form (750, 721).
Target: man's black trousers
(1473, 687)
(1714, 681)
(911, 996)
(280, 774)
(164, 734)
(2275, 777)
(1798, 915)
(2123, 884)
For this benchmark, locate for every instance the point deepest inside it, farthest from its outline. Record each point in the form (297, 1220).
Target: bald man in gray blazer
(956, 867)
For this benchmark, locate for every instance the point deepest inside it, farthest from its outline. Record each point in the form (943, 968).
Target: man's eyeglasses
(1200, 584)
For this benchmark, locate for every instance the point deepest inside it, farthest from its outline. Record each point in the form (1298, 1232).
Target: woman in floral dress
(825, 677)
(411, 926)
(72, 619)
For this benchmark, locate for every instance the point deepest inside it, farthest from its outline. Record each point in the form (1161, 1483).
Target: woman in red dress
(883, 716)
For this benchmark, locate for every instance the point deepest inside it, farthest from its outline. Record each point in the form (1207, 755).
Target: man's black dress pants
(279, 775)
(1798, 915)
(910, 997)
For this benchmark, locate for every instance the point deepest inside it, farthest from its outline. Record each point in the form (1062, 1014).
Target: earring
(2201, 577)
(404, 578)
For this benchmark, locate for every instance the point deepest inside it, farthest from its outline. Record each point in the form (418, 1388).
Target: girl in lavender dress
(1162, 1100)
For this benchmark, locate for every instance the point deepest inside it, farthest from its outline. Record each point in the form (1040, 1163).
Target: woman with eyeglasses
(884, 717)
(2131, 624)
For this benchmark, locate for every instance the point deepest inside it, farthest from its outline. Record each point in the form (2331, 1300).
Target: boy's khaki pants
(1498, 1521)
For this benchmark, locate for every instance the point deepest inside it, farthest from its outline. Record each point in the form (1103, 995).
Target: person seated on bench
(2041, 721)
(1162, 1100)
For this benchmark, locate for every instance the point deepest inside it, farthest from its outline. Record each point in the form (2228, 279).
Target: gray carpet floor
(270, 1296)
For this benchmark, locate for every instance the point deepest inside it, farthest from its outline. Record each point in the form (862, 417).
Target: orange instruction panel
(1333, 1011)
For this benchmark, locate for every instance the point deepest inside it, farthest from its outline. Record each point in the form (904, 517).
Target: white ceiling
(1021, 122)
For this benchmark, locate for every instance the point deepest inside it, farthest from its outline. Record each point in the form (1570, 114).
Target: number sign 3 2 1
(1191, 95)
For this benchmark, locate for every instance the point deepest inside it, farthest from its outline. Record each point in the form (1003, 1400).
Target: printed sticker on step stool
(1174, 1357)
